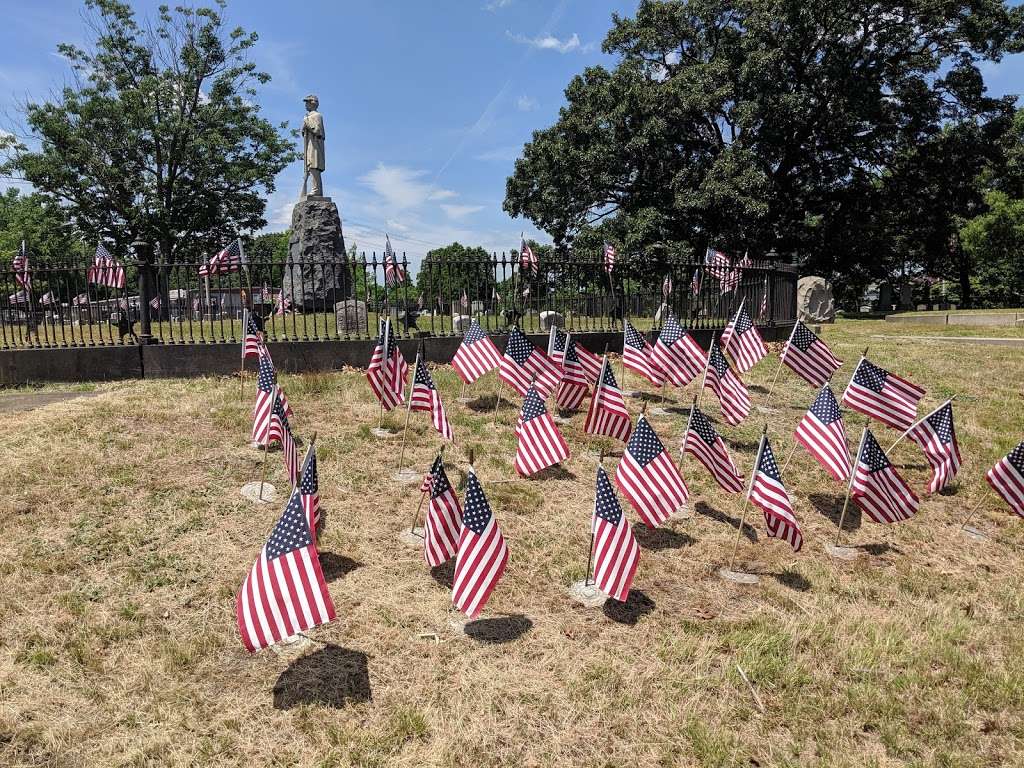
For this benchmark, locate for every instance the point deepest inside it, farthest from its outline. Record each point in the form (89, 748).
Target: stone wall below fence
(964, 320)
(157, 361)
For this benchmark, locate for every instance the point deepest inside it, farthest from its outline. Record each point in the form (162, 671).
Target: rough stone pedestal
(814, 300)
(316, 276)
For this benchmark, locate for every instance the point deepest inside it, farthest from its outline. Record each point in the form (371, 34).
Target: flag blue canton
(872, 454)
(475, 333)
(1016, 458)
(251, 329)
(700, 424)
(803, 337)
(519, 347)
(267, 378)
(633, 337)
(477, 512)
(560, 339)
(440, 483)
(717, 360)
(743, 322)
(942, 422)
(291, 532)
(606, 505)
(825, 407)
(644, 446)
(310, 481)
(671, 332)
(533, 406)
(570, 353)
(423, 376)
(768, 465)
(870, 376)
(279, 411)
(608, 378)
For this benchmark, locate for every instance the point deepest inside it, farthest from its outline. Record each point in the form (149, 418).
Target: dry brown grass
(124, 539)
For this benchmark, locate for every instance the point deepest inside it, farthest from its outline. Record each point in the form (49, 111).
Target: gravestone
(885, 297)
(663, 311)
(316, 275)
(549, 318)
(461, 323)
(814, 300)
(477, 307)
(906, 296)
(350, 315)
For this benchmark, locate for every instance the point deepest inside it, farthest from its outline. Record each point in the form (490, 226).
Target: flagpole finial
(865, 352)
(471, 458)
(312, 440)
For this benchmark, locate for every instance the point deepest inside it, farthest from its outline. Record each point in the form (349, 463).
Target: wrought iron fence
(172, 303)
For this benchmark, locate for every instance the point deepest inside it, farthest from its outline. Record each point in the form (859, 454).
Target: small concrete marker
(766, 409)
(738, 576)
(406, 475)
(973, 533)
(383, 433)
(587, 595)
(658, 411)
(292, 646)
(413, 538)
(841, 553)
(251, 491)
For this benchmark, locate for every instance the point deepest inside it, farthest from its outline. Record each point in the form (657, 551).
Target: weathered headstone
(663, 311)
(477, 307)
(461, 323)
(549, 318)
(316, 275)
(885, 297)
(906, 296)
(814, 300)
(350, 315)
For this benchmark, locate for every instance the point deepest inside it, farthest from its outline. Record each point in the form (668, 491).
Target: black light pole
(144, 261)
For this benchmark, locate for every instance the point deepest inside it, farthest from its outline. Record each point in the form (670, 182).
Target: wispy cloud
(497, 5)
(460, 211)
(526, 103)
(500, 154)
(549, 42)
(403, 188)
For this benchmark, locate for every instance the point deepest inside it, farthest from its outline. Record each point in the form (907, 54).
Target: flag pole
(732, 323)
(686, 434)
(263, 476)
(746, 501)
(912, 426)
(974, 510)
(849, 486)
(408, 413)
(782, 358)
(384, 363)
(792, 453)
(704, 378)
(241, 372)
(423, 496)
(590, 554)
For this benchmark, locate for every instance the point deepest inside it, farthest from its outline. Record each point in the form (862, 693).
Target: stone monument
(814, 300)
(317, 274)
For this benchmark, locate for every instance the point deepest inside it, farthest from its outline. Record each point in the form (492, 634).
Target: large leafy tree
(446, 272)
(158, 135)
(761, 124)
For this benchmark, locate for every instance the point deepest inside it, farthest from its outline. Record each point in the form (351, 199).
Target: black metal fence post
(144, 261)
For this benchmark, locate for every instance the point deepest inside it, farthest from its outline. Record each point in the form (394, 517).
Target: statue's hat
(311, 97)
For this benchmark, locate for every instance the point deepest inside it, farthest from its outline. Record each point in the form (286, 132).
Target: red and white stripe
(539, 443)
(816, 364)
(442, 526)
(944, 458)
(616, 552)
(607, 414)
(636, 355)
(1007, 479)
(475, 356)
(745, 345)
(895, 405)
(883, 495)
(655, 490)
(681, 361)
(481, 557)
(770, 495)
(826, 443)
(716, 460)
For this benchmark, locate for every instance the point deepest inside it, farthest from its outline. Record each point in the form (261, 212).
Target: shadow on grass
(335, 566)
(503, 629)
(703, 509)
(444, 574)
(556, 472)
(745, 445)
(950, 490)
(331, 677)
(486, 404)
(877, 548)
(630, 612)
(792, 579)
(758, 388)
(656, 539)
(681, 410)
(831, 507)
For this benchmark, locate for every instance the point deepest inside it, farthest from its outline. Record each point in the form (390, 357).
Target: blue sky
(426, 104)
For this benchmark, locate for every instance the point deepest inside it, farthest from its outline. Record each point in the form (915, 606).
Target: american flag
(734, 277)
(695, 282)
(677, 354)
(540, 444)
(252, 342)
(648, 477)
(309, 488)
(609, 257)
(809, 357)
(393, 272)
(80, 299)
(703, 442)
(105, 269)
(266, 393)
(937, 437)
(522, 362)
(590, 362)
(444, 517)
(762, 312)
(822, 433)
(768, 492)
(728, 387)
(636, 355)
(482, 554)
(18, 297)
(281, 430)
(285, 592)
(877, 487)
(156, 302)
(616, 552)
(282, 304)
(476, 354)
(47, 299)
(1007, 478)
(22, 275)
(229, 260)
(387, 370)
(717, 264)
(743, 341)
(607, 414)
(575, 384)
(666, 287)
(425, 397)
(527, 258)
(881, 395)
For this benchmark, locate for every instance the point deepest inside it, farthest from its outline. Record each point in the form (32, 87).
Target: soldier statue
(313, 146)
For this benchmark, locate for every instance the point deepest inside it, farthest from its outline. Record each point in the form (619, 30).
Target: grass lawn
(124, 539)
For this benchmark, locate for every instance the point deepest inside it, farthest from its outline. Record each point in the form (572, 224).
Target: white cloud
(551, 43)
(403, 188)
(526, 103)
(460, 211)
(496, 5)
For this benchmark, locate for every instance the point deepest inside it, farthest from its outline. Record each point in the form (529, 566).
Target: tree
(43, 225)
(446, 272)
(994, 241)
(159, 136)
(758, 125)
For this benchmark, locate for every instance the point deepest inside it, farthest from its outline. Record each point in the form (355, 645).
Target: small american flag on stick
(822, 433)
(425, 397)
(636, 355)
(444, 517)
(393, 272)
(936, 435)
(1007, 478)
(387, 370)
(609, 257)
(877, 487)
(105, 270)
(647, 476)
(809, 357)
(22, 275)
(607, 414)
(482, 554)
(728, 388)
(615, 550)
(227, 261)
(476, 354)
(285, 592)
(281, 430)
(309, 487)
(527, 258)
(523, 362)
(768, 492)
(588, 361)
(267, 391)
(743, 341)
(252, 342)
(677, 354)
(704, 443)
(884, 396)
(540, 445)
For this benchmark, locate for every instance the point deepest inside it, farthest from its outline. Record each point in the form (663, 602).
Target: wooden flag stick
(241, 372)
(900, 438)
(746, 500)
(263, 476)
(704, 378)
(686, 434)
(792, 453)
(849, 486)
(782, 357)
(975, 509)
(408, 413)
(416, 514)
